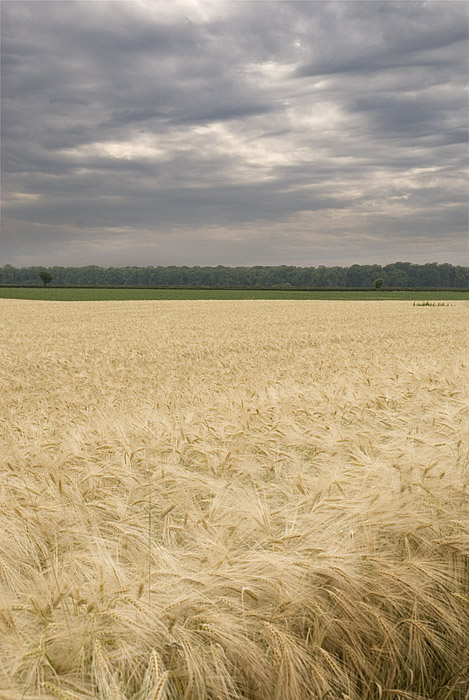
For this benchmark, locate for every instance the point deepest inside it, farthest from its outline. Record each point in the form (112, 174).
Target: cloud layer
(198, 132)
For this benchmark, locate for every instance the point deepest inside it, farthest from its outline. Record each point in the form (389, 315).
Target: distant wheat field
(234, 500)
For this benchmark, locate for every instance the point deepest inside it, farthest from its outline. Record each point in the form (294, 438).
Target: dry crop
(234, 500)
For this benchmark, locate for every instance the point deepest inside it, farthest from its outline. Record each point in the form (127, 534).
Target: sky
(200, 132)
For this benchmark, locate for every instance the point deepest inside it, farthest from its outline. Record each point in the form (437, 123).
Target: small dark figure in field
(430, 303)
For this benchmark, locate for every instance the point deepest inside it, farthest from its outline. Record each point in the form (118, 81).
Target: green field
(90, 294)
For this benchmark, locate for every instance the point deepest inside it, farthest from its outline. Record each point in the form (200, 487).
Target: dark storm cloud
(386, 35)
(238, 132)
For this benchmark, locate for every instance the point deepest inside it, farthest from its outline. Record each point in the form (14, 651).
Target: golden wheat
(248, 500)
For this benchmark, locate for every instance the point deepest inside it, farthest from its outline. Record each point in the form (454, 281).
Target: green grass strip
(88, 294)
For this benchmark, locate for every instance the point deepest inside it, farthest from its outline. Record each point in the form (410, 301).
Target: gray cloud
(233, 133)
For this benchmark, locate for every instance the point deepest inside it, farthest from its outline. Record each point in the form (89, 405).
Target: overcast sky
(192, 132)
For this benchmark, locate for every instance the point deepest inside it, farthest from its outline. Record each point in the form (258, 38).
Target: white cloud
(141, 147)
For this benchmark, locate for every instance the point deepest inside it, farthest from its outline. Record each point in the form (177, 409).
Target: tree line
(399, 274)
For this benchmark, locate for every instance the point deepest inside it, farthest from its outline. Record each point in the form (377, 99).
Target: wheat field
(226, 500)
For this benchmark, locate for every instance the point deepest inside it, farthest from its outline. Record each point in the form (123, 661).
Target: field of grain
(226, 500)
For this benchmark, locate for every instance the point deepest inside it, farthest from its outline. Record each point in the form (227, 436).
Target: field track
(234, 500)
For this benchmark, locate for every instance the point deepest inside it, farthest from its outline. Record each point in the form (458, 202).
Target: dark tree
(399, 274)
(379, 283)
(46, 276)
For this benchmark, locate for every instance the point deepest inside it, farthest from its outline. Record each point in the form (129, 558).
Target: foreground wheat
(226, 500)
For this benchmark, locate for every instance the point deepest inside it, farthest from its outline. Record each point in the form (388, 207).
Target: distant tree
(461, 276)
(399, 274)
(46, 276)
(379, 283)
(8, 274)
(353, 277)
(428, 275)
(396, 276)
